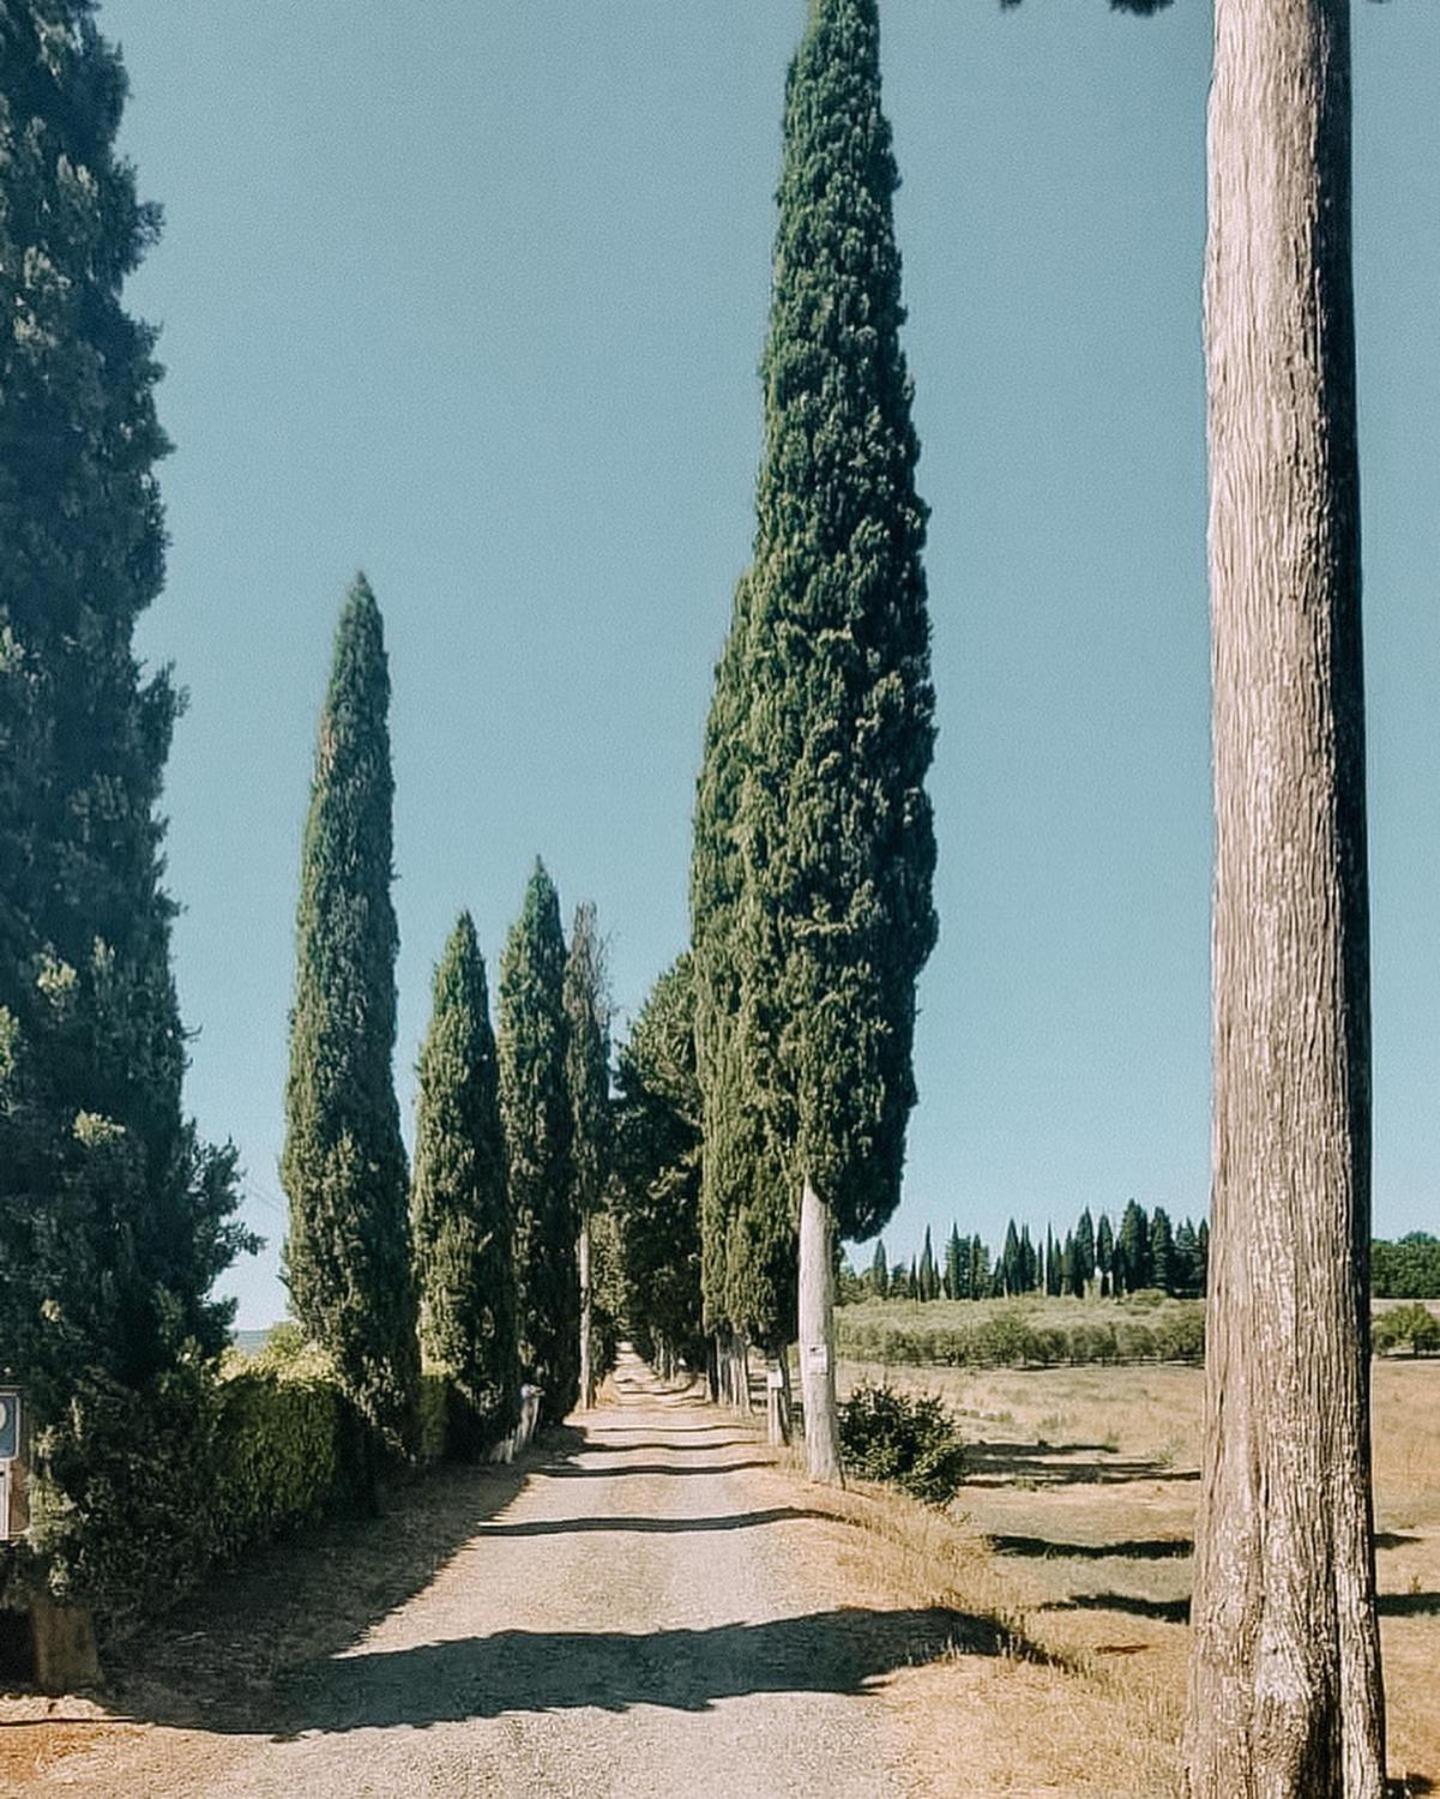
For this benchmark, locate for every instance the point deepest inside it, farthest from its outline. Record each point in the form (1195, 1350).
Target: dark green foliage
(1185, 1263)
(907, 1440)
(1412, 1327)
(1082, 1263)
(1162, 1251)
(1409, 1269)
(954, 1265)
(879, 1271)
(834, 919)
(347, 1260)
(1133, 1269)
(114, 1218)
(1105, 1254)
(539, 1133)
(587, 1063)
(657, 1158)
(461, 1224)
(929, 1280)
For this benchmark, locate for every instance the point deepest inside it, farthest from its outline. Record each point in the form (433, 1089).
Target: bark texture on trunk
(817, 1338)
(1285, 1695)
(587, 1321)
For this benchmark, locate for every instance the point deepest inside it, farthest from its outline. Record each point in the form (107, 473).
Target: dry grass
(1083, 1480)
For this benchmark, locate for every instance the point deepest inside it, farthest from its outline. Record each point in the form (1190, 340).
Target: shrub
(1414, 1327)
(907, 1440)
(285, 1449)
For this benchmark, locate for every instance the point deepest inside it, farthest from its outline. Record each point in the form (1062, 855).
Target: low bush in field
(976, 1334)
(1413, 1327)
(905, 1439)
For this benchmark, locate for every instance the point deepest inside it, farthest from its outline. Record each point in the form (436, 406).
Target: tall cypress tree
(1084, 1265)
(657, 1161)
(539, 1136)
(954, 1267)
(836, 832)
(929, 1279)
(587, 1073)
(461, 1223)
(347, 1260)
(1162, 1251)
(879, 1271)
(1132, 1247)
(114, 1218)
(1105, 1254)
(747, 1214)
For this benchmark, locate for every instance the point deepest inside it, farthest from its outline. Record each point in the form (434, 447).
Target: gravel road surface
(653, 1609)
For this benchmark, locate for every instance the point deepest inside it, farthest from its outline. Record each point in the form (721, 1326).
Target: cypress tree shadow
(998, 1464)
(846, 1651)
(562, 1527)
(713, 1468)
(1409, 1605)
(1143, 1549)
(1164, 1611)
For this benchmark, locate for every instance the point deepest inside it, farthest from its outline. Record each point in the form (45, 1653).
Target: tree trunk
(1285, 1695)
(817, 1338)
(587, 1359)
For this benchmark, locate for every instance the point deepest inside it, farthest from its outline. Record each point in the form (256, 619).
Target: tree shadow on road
(648, 1526)
(846, 1651)
(573, 1472)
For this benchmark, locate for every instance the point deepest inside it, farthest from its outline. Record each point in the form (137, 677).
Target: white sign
(817, 1359)
(775, 1379)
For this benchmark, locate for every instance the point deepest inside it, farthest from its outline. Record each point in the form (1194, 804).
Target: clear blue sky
(473, 296)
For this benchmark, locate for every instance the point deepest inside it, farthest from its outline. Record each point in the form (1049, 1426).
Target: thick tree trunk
(1285, 1695)
(817, 1338)
(587, 1322)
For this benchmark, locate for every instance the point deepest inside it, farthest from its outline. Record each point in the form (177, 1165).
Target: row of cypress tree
(475, 1262)
(1147, 1252)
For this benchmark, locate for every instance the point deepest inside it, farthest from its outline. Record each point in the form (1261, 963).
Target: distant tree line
(1408, 1268)
(1094, 1259)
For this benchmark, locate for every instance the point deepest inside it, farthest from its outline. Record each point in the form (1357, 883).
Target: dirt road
(651, 1609)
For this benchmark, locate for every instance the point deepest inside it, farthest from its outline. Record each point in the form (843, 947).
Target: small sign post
(817, 1359)
(10, 1442)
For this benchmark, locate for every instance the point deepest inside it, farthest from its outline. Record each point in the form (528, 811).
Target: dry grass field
(1083, 1480)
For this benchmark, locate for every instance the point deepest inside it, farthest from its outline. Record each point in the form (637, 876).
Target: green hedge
(198, 1470)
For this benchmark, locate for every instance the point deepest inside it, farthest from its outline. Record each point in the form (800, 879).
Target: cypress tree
(1202, 1245)
(1162, 1251)
(461, 1224)
(836, 836)
(928, 1280)
(539, 1132)
(747, 1221)
(1105, 1254)
(979, 1283)
(115, 1219)
(657, 1161)
(954, 1270)
(1084, 1262)
(1187, 1261)
(587, 1072)
(347, 1260)
(1132, 1248)
(879, 1271)
(1009, 1269)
